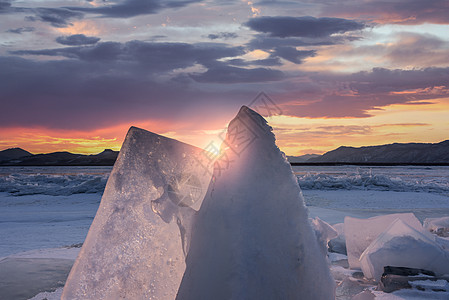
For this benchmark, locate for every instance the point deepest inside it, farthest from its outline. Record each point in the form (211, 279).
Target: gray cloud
(77, 40)
(293, 55)
(152, 57)
(262, 41)
(302, 26)
(381, 80)
(354, 95)
(222, 35)
(228, 74)
(82, 95)
(20, 30)
(132, 8)
(267, 62)
(57, 17)
(400, 11)
(4, 6)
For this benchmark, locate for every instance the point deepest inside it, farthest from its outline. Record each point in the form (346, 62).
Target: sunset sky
(76, 74)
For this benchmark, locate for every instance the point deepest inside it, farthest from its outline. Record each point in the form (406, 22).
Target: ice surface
(360, 233)
(251, 238)
(41, 221)
(134, 248)
(439, 226)
(401, 245)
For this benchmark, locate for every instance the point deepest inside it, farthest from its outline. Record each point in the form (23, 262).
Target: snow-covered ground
(53, 207)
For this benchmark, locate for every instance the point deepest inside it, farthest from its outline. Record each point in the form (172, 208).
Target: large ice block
(134, 248)
(359, 233)
(401, 245)
(251, 238)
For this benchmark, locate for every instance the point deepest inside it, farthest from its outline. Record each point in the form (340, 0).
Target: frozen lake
(45, 207)
(52, 207)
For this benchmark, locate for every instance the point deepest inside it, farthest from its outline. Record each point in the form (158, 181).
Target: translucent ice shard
(251, 238)
(134, 248)
(360, 233)
(403, 246)
(324, 233)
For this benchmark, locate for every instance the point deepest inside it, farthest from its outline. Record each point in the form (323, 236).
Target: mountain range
(20, 157)
(391, 154)
(406, 153)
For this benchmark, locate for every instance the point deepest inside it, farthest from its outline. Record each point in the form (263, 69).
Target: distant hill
(13, 153)
(409, 153)
(105, 158)
(301, 158)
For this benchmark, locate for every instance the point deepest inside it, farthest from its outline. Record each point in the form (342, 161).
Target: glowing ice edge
(252, 225)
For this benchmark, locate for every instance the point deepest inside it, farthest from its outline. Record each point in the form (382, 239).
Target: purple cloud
(77, 40)
(401, 11)
(132, 8)
(310, 27)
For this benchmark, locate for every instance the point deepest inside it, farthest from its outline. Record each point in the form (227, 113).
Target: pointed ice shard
(251, 238)
(134, 248)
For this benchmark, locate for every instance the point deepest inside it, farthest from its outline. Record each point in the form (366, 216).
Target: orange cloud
(85, 27)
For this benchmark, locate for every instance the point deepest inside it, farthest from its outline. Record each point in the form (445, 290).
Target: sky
(76, 74)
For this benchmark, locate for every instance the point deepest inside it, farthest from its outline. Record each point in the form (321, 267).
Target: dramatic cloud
(293, 55)
(302, 26)
(84, 65)
(385, 80)
(418, 50)
(222, 35)
(228, 74)
(87, 96)
(261, 41)
(111, 82)
(152, 57)
(132, 8)
(77, 40)
(20, 30)
(57, 17)
(267, 62)
(400, 11)
(4, 6)
(282, 35)
(356, 94)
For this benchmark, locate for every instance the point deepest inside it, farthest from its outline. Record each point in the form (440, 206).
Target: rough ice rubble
(363, 180)
(52, 184)
(251, 238)
(404, 246)
(134, 248)
(439, 226)
(359, 233)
